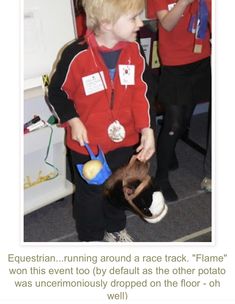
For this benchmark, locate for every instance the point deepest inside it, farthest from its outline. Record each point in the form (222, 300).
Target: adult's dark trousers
(207, 160)
(180, 88)
(176, 121)
(93, 213)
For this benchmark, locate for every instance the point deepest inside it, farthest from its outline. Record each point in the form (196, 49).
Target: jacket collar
(91, 40)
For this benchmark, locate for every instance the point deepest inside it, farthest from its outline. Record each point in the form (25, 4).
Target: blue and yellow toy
(96, 171)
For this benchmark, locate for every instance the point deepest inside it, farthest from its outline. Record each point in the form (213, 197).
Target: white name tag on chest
(127, 74)
(94, 83)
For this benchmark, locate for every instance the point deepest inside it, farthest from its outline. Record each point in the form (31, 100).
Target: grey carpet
(188, 219)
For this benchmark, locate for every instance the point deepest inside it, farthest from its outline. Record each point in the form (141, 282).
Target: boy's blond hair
(98, 11)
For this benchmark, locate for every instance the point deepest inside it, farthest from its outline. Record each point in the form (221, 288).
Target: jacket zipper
(112, 97)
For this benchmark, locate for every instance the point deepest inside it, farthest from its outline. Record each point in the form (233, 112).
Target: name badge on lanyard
(127, 74)
(94, 83)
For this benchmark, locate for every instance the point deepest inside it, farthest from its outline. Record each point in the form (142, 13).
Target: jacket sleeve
(150, 78)
(59, 102)
(144, 94)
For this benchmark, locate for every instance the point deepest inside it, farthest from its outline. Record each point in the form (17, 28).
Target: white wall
(48, 25)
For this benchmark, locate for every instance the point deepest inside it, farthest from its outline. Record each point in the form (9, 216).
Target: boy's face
(126, 27)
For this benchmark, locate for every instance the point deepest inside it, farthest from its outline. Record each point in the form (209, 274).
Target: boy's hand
(78, 131)
(147, 145)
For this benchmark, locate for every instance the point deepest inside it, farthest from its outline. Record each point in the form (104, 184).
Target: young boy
(98, 83)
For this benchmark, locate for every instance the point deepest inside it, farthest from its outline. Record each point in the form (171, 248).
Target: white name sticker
(94, 83)
(127, 74)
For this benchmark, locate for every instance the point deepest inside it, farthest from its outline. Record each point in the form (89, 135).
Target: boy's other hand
(146, 148)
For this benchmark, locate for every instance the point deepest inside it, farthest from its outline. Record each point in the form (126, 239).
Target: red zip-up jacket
(67, 94)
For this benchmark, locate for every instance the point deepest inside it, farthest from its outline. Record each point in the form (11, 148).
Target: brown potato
(91, 169)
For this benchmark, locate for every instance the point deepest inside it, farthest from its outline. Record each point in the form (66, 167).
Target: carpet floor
(188, 219)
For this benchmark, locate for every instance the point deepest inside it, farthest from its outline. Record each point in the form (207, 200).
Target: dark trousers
(207, 160)
(180, 88)
(176, 122)
(92, 212)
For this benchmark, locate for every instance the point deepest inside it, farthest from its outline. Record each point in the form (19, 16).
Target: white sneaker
(206, 184)
(121, 236)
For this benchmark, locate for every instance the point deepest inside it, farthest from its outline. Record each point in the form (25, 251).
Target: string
(52, 175)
